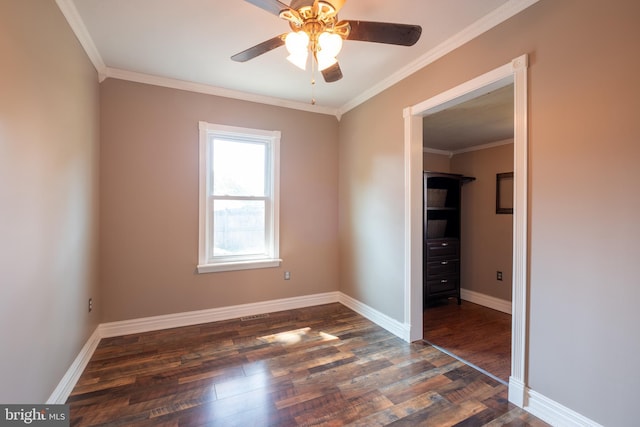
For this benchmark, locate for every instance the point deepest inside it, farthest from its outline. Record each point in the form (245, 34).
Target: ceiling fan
(315, 28)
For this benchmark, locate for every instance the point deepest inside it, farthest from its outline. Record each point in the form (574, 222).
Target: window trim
(272, 139)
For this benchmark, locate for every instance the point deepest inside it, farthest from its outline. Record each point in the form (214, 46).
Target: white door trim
(514, 72)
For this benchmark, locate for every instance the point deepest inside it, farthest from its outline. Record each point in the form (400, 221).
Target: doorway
(514, 73)
(473, 139)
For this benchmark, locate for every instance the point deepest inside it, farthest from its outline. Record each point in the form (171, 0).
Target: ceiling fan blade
(272, 6)
(299, 4)
(384, 32)
(259, 49)
(332, 74)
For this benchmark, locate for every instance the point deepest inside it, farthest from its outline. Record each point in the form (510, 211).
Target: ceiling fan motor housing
(299, 4)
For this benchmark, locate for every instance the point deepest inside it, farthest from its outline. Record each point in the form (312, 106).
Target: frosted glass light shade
(325, 61)
(330, 44)
(297, 42)
(299, 59)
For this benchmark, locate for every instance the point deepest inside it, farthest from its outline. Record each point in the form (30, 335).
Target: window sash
(267, 240)
(266, 178)
(208, 261)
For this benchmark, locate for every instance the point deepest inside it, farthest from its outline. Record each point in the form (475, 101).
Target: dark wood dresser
(442, 204)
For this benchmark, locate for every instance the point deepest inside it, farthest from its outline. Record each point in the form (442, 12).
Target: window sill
(238, 265)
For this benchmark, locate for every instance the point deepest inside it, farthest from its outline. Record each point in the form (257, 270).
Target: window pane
(238, 227)
(238, 168)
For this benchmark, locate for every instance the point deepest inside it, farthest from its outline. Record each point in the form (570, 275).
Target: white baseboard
(554, 413)
(517, 392)
(486, 300)
(147, 324)
(537, 404)
(400, 330)
(70, 378)
(156, 323)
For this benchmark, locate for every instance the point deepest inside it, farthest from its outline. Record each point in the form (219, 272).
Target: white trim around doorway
(514, 73)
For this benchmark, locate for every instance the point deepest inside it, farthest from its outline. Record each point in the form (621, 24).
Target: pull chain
(313, 82)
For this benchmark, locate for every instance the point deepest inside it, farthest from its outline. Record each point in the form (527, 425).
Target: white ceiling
(188, 44)
(483, 120)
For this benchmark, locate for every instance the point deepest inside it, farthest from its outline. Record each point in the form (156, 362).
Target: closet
(442, 204)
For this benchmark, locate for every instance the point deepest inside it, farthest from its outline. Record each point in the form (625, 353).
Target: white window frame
(207, 263)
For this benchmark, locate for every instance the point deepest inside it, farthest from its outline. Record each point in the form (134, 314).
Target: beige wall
(48, 199)
(487, 237)
(583, 200)
(371, 205)
(583, 195)
(149, 202)
(434, 162)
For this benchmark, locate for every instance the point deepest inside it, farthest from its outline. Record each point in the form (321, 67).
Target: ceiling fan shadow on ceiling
(316, 30)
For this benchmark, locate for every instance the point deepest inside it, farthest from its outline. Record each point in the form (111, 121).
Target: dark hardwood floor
(477, 334)
(324, 366)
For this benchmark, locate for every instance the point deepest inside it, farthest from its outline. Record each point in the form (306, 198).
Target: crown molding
(133, 76)
(483, 146)
(468, 149)
(501, 14)
(71, 14)
(436, 151)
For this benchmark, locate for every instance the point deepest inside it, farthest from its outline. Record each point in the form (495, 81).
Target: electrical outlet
(90, 304)
(499, 275)
(287, 275)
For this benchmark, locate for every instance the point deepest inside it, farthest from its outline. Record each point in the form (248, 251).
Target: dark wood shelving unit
(441, 225)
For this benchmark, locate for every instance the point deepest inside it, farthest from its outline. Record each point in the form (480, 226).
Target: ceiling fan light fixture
(299, 59)
(325, 61)
(330, 44)
(326, 10)
(315, 29)
(297, 42)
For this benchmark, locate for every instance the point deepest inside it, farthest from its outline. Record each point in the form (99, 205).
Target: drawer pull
(444, 262)
(443, 281)
(445, 244)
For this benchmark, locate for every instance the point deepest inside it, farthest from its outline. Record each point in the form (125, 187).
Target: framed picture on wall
(504, 193)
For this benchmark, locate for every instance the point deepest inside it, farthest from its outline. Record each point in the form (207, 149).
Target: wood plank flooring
(318, 366)
(477, 334)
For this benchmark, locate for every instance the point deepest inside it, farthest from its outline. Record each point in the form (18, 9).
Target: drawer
(442, 267)
(442, 248)
(442, 284)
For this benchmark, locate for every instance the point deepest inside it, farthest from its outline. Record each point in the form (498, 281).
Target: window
(239, 187)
